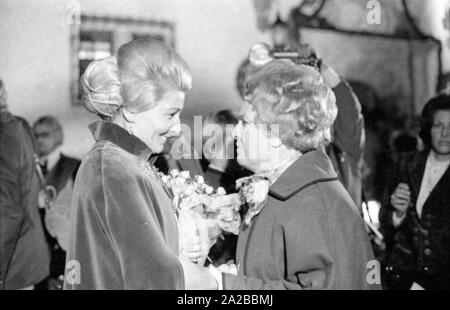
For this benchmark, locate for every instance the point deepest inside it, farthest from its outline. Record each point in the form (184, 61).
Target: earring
(130, 119)
(130, 128)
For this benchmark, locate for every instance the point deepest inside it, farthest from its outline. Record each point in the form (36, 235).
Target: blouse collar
(108, 131)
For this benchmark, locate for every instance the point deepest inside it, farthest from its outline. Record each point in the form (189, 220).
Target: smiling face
(158, 124)
(440, 132)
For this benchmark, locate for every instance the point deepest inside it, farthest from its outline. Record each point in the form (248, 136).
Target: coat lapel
(309, 169)
(416, 170)
(442, 188)
(107, 131)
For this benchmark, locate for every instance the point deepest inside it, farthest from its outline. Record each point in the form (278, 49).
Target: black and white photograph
(237, 146)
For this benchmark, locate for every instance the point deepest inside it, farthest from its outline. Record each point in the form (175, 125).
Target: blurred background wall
(212, 36)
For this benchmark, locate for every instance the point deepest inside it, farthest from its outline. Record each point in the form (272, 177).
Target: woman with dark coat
(415, 216)
(302, 230)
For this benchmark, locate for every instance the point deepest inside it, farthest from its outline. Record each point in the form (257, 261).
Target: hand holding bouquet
(203, 213)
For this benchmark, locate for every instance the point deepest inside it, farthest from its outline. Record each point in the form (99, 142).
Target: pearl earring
(130, 128)
(130, 119)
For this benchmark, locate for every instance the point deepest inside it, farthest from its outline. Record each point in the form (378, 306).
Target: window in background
(97, 37)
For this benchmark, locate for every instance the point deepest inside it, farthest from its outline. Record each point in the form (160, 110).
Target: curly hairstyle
(295, 98)
(438, 103)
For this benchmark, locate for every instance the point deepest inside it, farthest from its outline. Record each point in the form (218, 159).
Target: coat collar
(6, 116)
(416, 169)
(107, 131)
(311, 168)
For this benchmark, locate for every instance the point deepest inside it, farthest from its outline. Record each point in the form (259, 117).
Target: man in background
(24, 256)
(221, 167)
(222, 170)
(59, 173)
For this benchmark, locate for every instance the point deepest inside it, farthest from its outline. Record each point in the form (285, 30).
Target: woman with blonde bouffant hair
(124, 231)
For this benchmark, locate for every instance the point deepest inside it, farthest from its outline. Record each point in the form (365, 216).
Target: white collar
(52, 158)
(432, 160)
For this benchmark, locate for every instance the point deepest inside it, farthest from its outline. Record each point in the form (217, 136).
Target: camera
(261, 53)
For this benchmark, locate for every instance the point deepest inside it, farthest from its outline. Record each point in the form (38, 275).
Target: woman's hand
(229, 267)
(197, 277)
(194, 242)
(193, 250)
(400, 199)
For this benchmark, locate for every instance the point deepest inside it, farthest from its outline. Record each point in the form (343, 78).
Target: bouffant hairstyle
(438, 103)
(295, 98)
(141, 74)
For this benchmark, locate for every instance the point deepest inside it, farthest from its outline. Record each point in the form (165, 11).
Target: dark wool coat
(419, 249)
(347, 149)
(24, 253)
(308, 236)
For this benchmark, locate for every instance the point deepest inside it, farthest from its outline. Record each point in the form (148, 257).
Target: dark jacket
(419, 249)
(124, 231)
(24, 254)
(308, 236)
(347, 149)
(64, 171)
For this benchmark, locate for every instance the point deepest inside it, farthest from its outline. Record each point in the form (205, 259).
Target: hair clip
(292, 107)
(259, 54)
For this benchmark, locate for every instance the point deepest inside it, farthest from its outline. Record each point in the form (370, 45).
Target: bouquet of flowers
(253, 191)
(202, 212)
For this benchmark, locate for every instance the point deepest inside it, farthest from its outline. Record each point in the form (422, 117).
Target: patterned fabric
(254, 189)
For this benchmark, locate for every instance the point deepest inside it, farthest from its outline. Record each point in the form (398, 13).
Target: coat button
(427, 252)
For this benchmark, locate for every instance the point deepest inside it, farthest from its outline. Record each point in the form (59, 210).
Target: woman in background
(124, 231)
